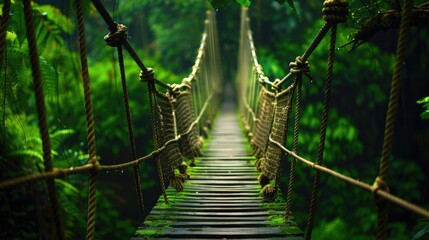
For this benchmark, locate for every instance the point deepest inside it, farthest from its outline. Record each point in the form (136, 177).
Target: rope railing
(258, 95)
(200, 90)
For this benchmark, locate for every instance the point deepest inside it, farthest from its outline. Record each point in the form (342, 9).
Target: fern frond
(58, 137)
(26, 154)
(49, 77)
(66, 187)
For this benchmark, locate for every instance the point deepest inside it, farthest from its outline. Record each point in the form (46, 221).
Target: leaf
(425, 103)
(291, 5)
(67, 187)
(26, 154)
(219, 3)
(244, 3)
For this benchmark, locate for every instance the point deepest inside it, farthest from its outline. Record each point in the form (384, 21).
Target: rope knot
(379, 184)
(117, 36)
(300, 67)
(277, 85)
(335, 11)
(96, 167)
(147, 76)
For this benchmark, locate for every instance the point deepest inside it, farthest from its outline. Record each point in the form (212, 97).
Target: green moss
(276, 220)
(287, 226)
(163, 205)
(148, 233)
(158, 223)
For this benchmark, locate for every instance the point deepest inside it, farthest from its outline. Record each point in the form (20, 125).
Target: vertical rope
(324, 124)
(90, 231)
(41, 116)
(295, 146)
(398, 75)
(130, 129)
(148, 77)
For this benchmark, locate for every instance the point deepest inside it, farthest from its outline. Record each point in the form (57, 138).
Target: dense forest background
(166, 35)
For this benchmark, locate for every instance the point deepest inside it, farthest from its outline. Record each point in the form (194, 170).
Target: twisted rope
(300, 67)
(90, 167)
(130, 129)
(372, 188)
(117, 36)
(323, 127)
(92, 189)
(149, 78)
(398, 75)
(298, 83)
(41, 116)
(335, 11)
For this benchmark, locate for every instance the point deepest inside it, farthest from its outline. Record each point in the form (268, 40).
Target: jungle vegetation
(159, 30)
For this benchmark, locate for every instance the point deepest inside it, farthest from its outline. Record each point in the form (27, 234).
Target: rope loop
(117, 36)
(96, 167)
(300, 67)
(147, 76)
(379, 184)
(335, 11)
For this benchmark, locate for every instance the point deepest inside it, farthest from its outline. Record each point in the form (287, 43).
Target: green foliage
(422, 230)
(425, 104)
(244, 3)
(220, 3)
(291, 5)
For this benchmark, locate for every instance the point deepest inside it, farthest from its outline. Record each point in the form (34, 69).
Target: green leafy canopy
(224, 3)
(245, 3)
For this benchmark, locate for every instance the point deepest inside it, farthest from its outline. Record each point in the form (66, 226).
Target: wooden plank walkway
(221, 200)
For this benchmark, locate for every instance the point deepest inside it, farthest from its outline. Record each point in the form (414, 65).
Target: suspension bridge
(230, 189)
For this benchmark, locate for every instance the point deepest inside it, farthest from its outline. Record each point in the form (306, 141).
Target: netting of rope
(257, 100)
(270, 163)
(173, 112)
(190, 143)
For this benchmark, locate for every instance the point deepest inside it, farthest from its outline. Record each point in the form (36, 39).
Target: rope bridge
(266, 106)
(223, 185)
(180, 113)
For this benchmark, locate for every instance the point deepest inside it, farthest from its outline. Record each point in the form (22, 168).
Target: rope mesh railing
(258, 106)
(180, 114)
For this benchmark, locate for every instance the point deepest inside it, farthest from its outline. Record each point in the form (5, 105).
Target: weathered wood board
(221, 200)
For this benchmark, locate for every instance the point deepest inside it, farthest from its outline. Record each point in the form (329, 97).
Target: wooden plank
(202, 193)
(202, 175)
(211, 214)
(185, 218)
(216, 182)
(223, 177)
(210, 232)
(213, 209)
(224, 224)
(217, 199)
(222, 199)
(226, 205)
(265, 238)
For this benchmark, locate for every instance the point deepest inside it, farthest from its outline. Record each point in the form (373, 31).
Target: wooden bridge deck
(221, 200)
